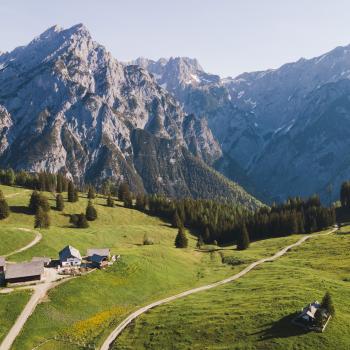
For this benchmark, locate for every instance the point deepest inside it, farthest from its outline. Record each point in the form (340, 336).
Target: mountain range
(168, 126)
(283, 132)
(67, 105)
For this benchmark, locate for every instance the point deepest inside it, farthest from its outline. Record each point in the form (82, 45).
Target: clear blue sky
(227, 36)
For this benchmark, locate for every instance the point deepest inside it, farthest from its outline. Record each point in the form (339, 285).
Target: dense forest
(221, 222)
(225, 223)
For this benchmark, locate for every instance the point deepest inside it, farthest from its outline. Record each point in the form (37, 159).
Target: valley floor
(83, 311)
(256, 311)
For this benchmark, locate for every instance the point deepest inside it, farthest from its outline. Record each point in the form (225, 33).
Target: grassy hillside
(11, 306)
(82, 311)
(255, 312)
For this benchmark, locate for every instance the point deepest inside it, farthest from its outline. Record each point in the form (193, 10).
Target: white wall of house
(71, 262)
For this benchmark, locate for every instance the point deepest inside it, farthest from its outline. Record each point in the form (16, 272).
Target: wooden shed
(24, 272)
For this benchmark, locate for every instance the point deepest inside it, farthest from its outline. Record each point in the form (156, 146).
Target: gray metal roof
(44, 259)
(98, 251)
(69, 252)
(98, 258)
(2, 261)
(33, 268)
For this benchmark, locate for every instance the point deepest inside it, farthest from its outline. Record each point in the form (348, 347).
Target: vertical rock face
(68, 106)
(5, 124)
(281, 131)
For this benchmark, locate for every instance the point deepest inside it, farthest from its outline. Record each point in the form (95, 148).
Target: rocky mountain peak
(67, 105)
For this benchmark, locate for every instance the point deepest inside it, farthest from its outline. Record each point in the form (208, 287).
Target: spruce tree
(128, 200)
(140, 202)
(110, 201)
(42, 219)
(176, 221)
(59, 202)
(91, 213)
(34, 201)
(181, 240)
(4, 208)
(91, 193)
(123, 191)
(44, 203)
(243, 239)
(71, 192)
(327, 303)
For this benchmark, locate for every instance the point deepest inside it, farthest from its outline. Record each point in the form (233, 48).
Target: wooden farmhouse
(307, 319)
(70, 256)
(24, 272)
(99, 257)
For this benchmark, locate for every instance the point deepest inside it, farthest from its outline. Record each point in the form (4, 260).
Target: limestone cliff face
(281, 131)
(68, 106)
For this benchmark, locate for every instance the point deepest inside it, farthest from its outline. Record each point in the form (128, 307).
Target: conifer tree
(327, 303)
(10, 177)
(34, 201)
(91, 213)
(176, 221)
(42, 219)
(44, 203)
(4, 208)
(110, 201)
(123, 191)
(71, 192)
(127, 200)
(140, 202)
(59, 202)
(181, 240)
(38, 200)
(59, 185)
(243, 239)
(91, 193)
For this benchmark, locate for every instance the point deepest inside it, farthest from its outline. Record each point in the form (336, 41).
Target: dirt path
(116, 332)
(36, 240)
(39, 293)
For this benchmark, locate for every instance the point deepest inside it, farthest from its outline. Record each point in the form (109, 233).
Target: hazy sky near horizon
(228, 37)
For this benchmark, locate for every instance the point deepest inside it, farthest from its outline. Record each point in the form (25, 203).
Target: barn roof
(98, 258)
(44, 259)
(33, 268)
(311, 309)
(98, 251)
(68, 252)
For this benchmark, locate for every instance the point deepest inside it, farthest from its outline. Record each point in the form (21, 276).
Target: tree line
(213, 221)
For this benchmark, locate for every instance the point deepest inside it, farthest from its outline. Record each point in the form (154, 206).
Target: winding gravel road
(36, 240)
(116, 332)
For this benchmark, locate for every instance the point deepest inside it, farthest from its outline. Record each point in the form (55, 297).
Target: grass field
(11, 306)
(12, 239)
(84, 310)
(255, 311)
